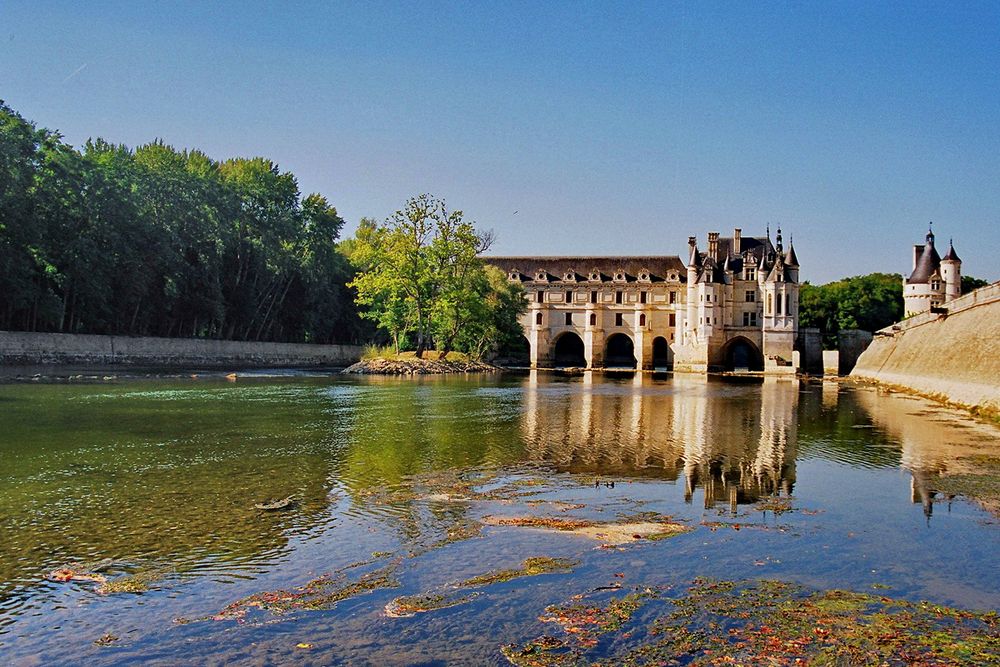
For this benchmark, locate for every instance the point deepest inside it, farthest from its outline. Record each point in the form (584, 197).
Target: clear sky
(566, 127)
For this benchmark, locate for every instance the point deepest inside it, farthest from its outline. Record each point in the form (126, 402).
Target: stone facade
(733, 306)
(934, 281)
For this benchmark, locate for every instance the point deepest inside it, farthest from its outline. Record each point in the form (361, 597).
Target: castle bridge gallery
(733, 306)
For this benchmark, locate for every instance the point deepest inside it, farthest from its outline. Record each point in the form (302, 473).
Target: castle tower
(951, 273)
(781, 303)
(925, 288)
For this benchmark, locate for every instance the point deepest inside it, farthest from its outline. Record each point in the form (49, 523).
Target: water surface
(162, 476)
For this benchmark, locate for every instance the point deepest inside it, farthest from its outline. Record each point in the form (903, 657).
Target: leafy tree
(969, 283)
(868, 302)
(420, 277)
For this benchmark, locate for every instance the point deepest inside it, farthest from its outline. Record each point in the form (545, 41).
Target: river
(396, 487)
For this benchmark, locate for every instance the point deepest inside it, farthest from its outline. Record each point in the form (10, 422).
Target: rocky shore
(417, 367)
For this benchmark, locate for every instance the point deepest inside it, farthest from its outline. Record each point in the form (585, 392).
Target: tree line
(157, 241)
(869, 302)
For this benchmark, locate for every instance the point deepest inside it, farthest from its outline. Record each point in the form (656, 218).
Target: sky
(565, 127)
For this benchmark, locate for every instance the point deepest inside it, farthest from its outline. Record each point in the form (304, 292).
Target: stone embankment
(418, 367)
(19, 348)
(951, 356)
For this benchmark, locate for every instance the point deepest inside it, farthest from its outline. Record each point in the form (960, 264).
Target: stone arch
(569, 351)
(619, 352)
(515, 353)
(740, 354)
(663, 356)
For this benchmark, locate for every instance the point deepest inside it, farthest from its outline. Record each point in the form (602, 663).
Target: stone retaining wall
(953, 356)
(25, 349)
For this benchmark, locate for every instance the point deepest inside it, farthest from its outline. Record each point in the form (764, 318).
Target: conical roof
(927, 264)
(790, 258)
(951, 256)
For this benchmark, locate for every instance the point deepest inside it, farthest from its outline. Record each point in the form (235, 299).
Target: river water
(393, 480)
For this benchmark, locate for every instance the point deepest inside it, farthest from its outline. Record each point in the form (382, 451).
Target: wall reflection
(736, 442)
(934, 441)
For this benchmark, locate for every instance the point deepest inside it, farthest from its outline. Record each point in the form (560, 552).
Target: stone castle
(934, 280)
(733, 306)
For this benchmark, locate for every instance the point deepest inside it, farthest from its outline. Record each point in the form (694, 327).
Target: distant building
(935, 280)
(732, 307)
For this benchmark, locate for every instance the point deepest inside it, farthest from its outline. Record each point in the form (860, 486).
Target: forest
(155, 241)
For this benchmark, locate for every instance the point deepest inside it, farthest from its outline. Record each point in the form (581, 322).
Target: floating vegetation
(651, 526)
(324, 592)
(769, 622)
(584, 623)
(138, 582)
(774, 504)
(410, 605)
(529, 568)
(276, 505)
(82, 571)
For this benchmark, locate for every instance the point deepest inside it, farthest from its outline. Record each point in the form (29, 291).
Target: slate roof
(581, 266)
(928, 263)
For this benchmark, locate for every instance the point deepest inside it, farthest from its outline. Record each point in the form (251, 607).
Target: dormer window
(619, 276)
(935, 285)
(595, 275)
(513, 275)
(750, 273)
(644, 275)
(540, 275)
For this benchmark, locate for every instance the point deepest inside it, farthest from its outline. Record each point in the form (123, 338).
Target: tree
(420, 276)
(868, 302)
(969, 283)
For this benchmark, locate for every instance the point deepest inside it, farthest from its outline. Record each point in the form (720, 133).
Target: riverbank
(19, 349)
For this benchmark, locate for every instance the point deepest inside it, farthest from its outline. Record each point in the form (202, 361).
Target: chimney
(918, 250)
(713, 245)
(737, 237)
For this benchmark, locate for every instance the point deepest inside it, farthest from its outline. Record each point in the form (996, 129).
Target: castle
(731, 307)
(934, 280)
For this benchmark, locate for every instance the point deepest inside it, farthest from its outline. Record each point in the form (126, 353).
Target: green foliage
(420, 279)
(868, 302)
(156, 241)
(969, 283)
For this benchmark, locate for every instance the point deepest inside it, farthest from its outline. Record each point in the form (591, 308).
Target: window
(749, 319)
(642, 320)
(673, 319)
(751, 296)
(593, 319)
(673, 296)
(619, 296)
(593, 296)
(540, 296)
(750, 273)
(788, 304)
(770, 303)
(779, 305)
(935, 285)
(569, 296)
(538, 319)
(619, 320)
(642, 297)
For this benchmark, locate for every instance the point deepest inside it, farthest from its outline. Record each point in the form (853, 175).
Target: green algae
(765, 622)
(322, 593)
(410, 605)
(529, 568)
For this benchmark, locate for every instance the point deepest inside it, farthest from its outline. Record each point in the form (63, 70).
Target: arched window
(593, 319)
(538, 319)
(642, 320)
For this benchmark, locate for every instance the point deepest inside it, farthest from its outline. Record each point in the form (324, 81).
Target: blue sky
(565, 127)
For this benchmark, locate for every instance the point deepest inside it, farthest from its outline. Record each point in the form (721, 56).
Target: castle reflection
(736, 442)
